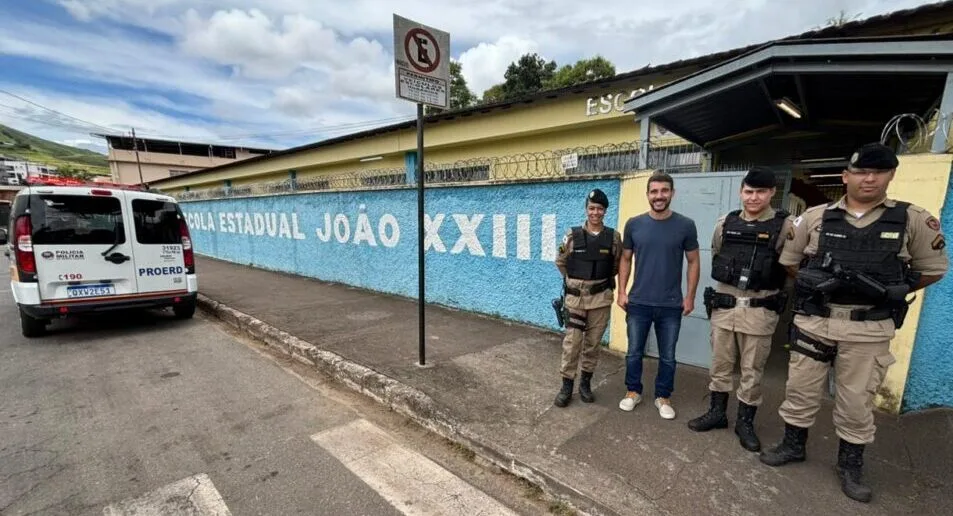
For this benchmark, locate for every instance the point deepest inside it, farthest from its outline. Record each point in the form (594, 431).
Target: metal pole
(135, 144)
(421, 299)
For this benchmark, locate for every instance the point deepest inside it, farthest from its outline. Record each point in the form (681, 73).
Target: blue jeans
(668, 322)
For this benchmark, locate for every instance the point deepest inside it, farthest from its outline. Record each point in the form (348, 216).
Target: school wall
(491, 248)
(632, 202)
(930, 362)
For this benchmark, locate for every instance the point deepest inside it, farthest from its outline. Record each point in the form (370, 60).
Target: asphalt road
(138, 412)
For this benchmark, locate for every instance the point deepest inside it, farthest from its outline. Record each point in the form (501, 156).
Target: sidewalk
(491, 385)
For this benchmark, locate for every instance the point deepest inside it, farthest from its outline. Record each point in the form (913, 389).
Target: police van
(77, 248)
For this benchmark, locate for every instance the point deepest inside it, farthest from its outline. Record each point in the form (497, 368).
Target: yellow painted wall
(921, 179)
(548, 124)
(632, 202)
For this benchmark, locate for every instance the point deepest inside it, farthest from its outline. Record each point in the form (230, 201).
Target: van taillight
(187, 254)
(23, 238)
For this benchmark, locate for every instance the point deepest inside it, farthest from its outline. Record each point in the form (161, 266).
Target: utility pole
(135, 143)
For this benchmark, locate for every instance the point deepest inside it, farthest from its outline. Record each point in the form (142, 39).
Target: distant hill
(16, 144)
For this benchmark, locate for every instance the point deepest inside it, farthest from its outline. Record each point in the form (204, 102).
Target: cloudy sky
(280, 73)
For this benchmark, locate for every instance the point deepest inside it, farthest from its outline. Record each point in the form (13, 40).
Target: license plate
(90, 291)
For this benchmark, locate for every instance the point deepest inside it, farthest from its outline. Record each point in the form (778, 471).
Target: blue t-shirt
(659, 248)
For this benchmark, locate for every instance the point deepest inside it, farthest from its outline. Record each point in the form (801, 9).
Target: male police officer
(861, 257)
(745, 303)
(588, 260)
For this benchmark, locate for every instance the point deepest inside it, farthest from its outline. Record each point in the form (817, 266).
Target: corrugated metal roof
(847, 30)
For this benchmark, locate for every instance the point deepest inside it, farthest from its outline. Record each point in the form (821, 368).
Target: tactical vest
(749, 249)
(591, 256)
(873, 250)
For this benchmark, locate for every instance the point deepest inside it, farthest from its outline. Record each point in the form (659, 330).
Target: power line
(28, 101)
(15, 112)
(327, 129)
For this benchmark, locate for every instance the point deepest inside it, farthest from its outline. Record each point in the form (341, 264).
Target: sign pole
(422, 76)
(421, 299)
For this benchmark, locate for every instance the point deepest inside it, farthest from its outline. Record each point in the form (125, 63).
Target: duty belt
(846, 314)
(592, 290)
(775, 302)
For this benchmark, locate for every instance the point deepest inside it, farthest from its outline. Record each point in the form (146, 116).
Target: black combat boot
(562, 399)
(585, 391)
(790, 449)
(850, 465)
(744, 427)
(715, 417)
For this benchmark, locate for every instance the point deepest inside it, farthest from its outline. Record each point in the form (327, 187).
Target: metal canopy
(830, 85)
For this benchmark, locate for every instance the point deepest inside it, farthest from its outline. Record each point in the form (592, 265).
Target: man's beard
(667, 203)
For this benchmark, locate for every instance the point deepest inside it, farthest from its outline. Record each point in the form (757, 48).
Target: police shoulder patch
(933, 224)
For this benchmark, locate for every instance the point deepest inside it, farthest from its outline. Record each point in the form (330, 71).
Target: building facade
(145, 160)
(507, 180)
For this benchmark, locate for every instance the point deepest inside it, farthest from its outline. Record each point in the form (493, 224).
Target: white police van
(78, 247)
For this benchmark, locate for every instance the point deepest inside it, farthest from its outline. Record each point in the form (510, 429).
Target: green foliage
(584, 70)
(16, 144)
(532, 74)
(460, 95)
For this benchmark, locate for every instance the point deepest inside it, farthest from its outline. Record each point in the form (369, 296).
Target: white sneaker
(629, 402)
(665, 409)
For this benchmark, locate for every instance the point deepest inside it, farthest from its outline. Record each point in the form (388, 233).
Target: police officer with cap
(588, 260)
(855, 261)
(745, 304)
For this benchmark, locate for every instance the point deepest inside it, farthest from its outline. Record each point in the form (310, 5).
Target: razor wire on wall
(608, 160)
(915, 133)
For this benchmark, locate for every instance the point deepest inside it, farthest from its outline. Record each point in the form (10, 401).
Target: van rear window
(157, 222)
(76, 220)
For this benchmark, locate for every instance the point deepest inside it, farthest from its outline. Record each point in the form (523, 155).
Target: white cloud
(303, 69)
(79, 11)
(95, 146)
(484, 65)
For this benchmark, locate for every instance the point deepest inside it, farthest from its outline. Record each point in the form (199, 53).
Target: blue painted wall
(492, 249)
(930, 381)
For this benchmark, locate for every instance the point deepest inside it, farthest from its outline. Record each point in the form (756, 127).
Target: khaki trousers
(859, 369)
(754, 354)
(578, 343)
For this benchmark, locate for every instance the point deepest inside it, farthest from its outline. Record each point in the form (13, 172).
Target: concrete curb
(404, 399)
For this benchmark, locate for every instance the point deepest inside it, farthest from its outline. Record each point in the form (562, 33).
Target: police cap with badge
(760, 177)
(874, 156)
(597, 196)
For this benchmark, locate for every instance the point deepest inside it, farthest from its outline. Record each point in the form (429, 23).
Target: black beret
(760, 177)
(597, 196)
(874, 155)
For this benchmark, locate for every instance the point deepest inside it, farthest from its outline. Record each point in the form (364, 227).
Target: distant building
(162, 159)
(15, 171)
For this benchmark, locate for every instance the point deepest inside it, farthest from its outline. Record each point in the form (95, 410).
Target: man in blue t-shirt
(658, 239)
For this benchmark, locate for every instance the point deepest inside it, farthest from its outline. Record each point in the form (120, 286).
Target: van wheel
(31, 327)
(185, 309)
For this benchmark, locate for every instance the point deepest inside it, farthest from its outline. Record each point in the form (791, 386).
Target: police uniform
(744, 308)
(589, 264)
(850, 290)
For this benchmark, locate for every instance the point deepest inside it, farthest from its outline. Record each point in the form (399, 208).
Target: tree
(69, 171)
(494, 94)
(583, 71)
(532, 74)
(528, 75)
(460, 95)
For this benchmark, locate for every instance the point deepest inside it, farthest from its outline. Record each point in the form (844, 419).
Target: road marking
(193, 495)
(410, 482)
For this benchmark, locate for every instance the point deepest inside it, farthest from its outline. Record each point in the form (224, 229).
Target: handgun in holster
(709, 297)
(559, 306)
